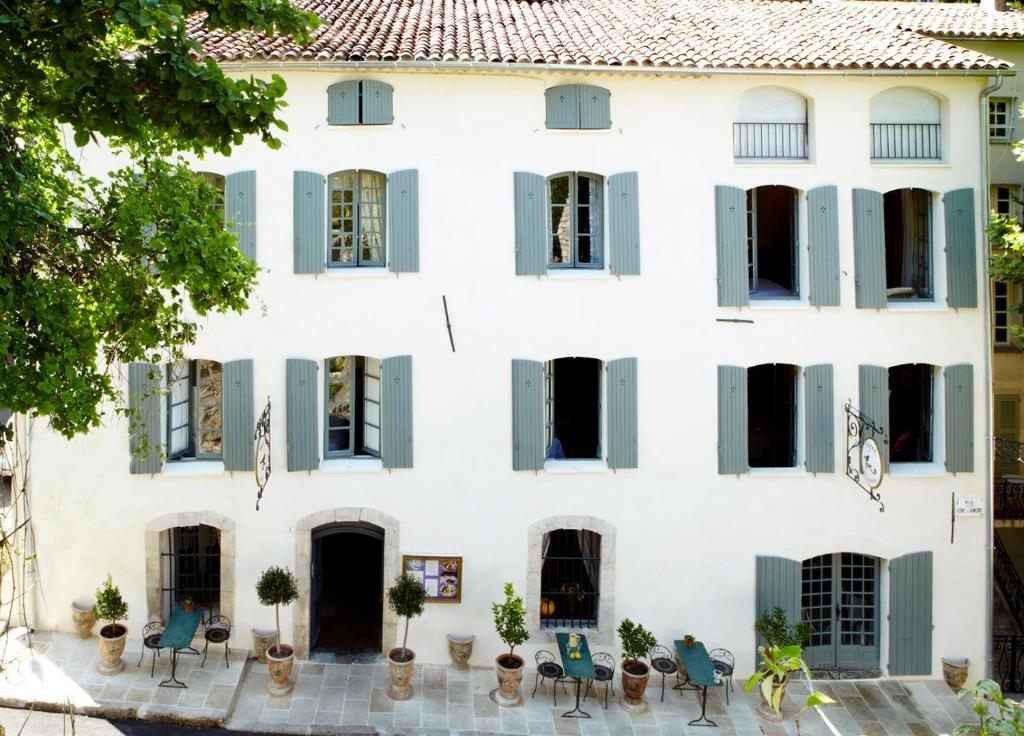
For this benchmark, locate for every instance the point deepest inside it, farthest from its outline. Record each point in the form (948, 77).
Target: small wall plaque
(440, 575)
(971, 506)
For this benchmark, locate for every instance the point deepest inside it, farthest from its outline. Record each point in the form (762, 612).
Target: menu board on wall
(441, 576)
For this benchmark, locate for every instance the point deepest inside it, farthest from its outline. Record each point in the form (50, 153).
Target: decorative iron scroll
(262, 438)
(860, 427)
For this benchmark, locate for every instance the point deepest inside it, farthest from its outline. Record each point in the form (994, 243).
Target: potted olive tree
(110, 607)
(636, 643)
(773, 676)
(405, 598)
(277, 587)
(510, 623)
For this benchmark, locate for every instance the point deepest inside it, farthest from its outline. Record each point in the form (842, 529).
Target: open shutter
(240, 209)
(531, 223)
(404, 221)
(396, 411)
(778, 586)
(377, 107)
(874, 401)
(820, 425)
(624, 221)
(732, 420)
(622, 424)
(144, 418)
(869, 248)
(527, 415)
(239, 422)
(731, 243)
(910, 614)
(1007, 427)
(961, 249)
(300, 406)
(823, 245)
(309, 222)
(959, 380)
(595, 107)
(343, 103)
(563, 106)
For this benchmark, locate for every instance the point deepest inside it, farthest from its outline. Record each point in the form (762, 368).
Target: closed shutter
(622, 424)
(731, 244)
(144, 418)
(239, 422)
(961, 249)
(377, 106)
(240, 209)
(563, 106)
(874, 401)
(624, 222)
(910, 614)
(1007, 427)
(778, 586)
(309, 222)
(404, 221)
(869, 248)
(823, 245)
(531, 223)
(396, 411)
(343, 103)
(820, 427)
(300, 406)
(959, 380)
(595, 107)
(732, 420)
(527, 415)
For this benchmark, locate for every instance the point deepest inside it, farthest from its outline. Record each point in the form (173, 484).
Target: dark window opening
(573, 408)
(570, 578)
(190, 568)
(6, 489)
(771, 242)
(908, 244)
(352, 405)
(910, 413)
(771, 416)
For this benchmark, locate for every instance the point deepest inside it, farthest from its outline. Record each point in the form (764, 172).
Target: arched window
(576, 211)
(352, 413)
(908, 244)
(570, 579)
(772, 232)
(770, 122)
(905, 124)
(190, 568)
(356, 219)
(194, 410)
(839, 599)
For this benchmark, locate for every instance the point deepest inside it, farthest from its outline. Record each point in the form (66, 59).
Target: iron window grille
(570, 579)
(190, 566)
(902, 141)
(769, 140)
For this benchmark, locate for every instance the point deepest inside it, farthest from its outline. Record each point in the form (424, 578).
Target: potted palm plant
(771, 679)
(636, 643)
(510, 623)
(277, 587)
(110, 607)
(406, 598)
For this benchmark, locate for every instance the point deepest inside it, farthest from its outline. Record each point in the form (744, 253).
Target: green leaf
(818, 698)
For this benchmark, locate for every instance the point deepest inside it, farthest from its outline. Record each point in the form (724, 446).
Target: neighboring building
(670, 255)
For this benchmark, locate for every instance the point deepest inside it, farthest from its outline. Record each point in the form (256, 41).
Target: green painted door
(839, 599)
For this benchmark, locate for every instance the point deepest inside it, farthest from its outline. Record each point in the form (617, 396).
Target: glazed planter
(262, 640)
(765, 708)
(112, 638)
(84, 617)
(400, 665)
(634, 683)
(954, 671)
(280, 660)
(510, 675)
(460, 649)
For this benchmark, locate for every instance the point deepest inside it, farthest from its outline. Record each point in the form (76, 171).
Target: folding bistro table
(700, 675)
(177, 636)
(578, 669)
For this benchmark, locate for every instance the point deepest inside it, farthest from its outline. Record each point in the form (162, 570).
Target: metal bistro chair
(548, 669)
(662, 663)
(604, 671)
(218, 631)
(723, 664)
(151, 634)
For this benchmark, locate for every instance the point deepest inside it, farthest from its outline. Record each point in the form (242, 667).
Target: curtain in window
(590, 547)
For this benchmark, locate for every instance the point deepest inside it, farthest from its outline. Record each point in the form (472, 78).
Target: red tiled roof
(946, 20)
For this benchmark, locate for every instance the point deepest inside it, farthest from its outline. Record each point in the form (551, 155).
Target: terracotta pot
(84, 616)
(400, 671)
(460, 649)
(954, 671)
(262, 640)
(510, 674)
(280, 660)
(765, 708)
(112, 638)
(634, 683)
(189, 607)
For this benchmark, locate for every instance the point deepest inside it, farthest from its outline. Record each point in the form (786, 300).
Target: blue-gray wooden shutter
(778, 586)
(144, 418)
(869, 248)
(595, 107)
(531, 223)
(874, 401)
(622, 424)
(404, 221)
(563, 106)
(377, 105)
(820, 424)
(959, 380)
(301, 414)
(309, 222)
(527, 415)
(823, 245)
(240, 209)
(732, 420)
(237, 411)
(961, 249)
(731, 244)
(624, 223)
(343, 103)
(910, 614)
(396, 411)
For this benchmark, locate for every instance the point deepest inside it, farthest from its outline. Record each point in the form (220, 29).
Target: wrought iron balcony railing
(901, 141)
(1009, 499)
(769, 140)
(1008, 662)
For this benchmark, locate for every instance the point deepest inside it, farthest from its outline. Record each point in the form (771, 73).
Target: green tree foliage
(406, 598)
(110, 606)
(510, 619)
(277, 587)
(778, 632)
(99, 272)
(637, 641)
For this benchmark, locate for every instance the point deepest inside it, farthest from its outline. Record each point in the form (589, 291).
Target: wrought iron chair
(218, 631)
(604, 669)
(663, 663)
(151, 634)
(548, 669)
(723, 664)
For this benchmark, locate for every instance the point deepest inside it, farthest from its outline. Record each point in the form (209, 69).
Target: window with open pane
(357, 219)
(352, 406)
(575, 207)
(194, 414)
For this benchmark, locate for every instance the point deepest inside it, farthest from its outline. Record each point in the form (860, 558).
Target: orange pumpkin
(547, 607)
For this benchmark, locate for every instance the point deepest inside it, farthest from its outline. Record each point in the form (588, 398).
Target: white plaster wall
(771, 105)
(905, 105)
(686, 537)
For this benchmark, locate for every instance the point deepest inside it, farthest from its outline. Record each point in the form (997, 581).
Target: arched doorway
(840, 598)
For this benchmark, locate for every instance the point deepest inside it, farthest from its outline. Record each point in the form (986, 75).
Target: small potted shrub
(636, 643)
(405, 598)
(777, 632)
(188, 604)
(773, 676)
(277, 587)
(110, 607)
(689, 640)
(510, 623)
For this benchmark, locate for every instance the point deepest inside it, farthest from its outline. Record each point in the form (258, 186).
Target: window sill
(578, 274)
(358, 272)
(930, 163)
(917, 470)
(352, 465)
(192, 468)
(575, 466)
(916, 305)
(795, 472)
(773, 162)
(784, 304)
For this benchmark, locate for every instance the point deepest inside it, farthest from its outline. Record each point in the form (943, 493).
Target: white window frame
(193, 379)
(369, 411)
(549, 408)
(1001, 118)
(799, 436)
(938, 429)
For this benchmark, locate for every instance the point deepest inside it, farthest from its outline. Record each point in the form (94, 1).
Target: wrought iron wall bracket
(860, 427)
(262, 439)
